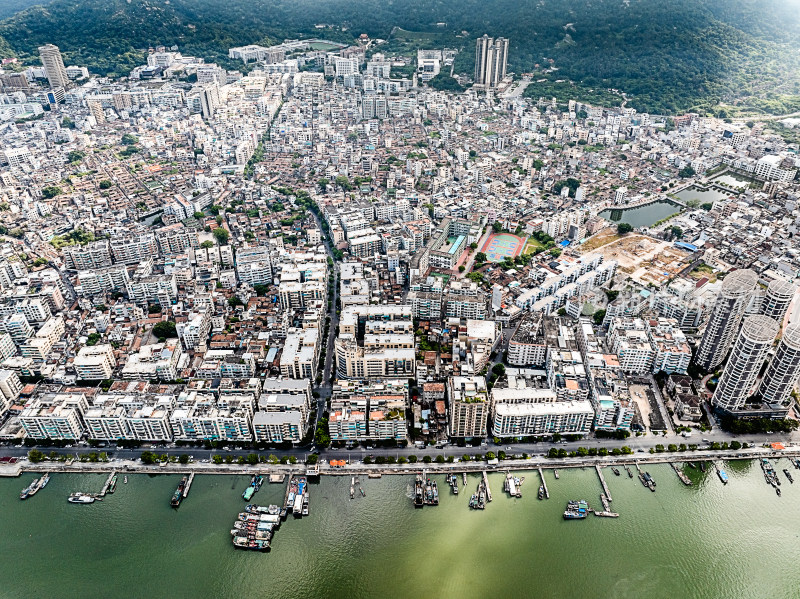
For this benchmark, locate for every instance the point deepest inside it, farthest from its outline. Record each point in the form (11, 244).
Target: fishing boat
(44, 481)
(272, 510)
(464, 476)
(177, 496)
(31, 489)
(112, 486)
(255, 484)
(419, 499)
(454, 484)
(428, 496)
(769, 473)
(722, 476)
(778, 491)
(615, 471)
(125, 480)
(555, 473)
(83, 498)
(541, 492)
(692, 465)
(576, 510)
(788, 475)
(302, 489)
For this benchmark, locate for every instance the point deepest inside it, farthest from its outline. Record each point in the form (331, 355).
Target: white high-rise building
(748, 354)
(782, 373)
(10, 388)
(777, 300)
(725, 318)
(491, 60)
(469, 406)
(95, 362)
(53, 66)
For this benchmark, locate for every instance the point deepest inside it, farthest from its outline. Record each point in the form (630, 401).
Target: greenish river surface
(642, 216)
(708, 540)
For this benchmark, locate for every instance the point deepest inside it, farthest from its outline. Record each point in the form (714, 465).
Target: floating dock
(277, 478)
(544, 484)
(486, 484)
(108, 482)
(188, 485)
(603, 482)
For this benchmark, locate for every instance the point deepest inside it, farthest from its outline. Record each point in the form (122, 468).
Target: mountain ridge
(668, 56)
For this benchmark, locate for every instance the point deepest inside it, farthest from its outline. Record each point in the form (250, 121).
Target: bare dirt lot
(645, 259)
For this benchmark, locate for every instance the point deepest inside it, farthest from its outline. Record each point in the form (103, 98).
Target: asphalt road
(637, 444)
(324, 390)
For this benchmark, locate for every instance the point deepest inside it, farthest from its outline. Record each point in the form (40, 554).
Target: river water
(705, 541)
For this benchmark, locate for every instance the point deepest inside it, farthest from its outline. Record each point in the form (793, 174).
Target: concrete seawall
(533, 463)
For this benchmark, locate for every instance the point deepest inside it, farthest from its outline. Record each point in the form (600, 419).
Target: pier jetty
(684, 479)
(288, 489)
(603, 481)
(486, 484)
(108, 483)
(188, 485)
(544, 484)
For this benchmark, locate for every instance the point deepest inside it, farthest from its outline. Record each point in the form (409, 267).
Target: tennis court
(501, 246)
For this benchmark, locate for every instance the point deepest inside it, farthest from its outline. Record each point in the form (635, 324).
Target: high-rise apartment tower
(725, 318)
(782, 372)
(491, 59)
(777, 300)
(53, 66)
(748, 355)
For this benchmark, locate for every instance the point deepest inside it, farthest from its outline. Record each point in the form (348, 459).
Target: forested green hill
(9, 8)
(667, 55)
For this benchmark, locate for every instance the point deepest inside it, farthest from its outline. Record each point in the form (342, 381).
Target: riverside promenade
(357, 467)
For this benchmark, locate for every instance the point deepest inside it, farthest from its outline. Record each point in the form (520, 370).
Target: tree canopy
(165, 329)
(666, 56)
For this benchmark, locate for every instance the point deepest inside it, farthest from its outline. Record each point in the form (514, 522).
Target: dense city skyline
(334, 255)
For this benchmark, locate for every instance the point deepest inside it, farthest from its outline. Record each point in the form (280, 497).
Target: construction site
(644, 259)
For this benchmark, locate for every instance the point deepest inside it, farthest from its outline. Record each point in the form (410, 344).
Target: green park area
(531, 245)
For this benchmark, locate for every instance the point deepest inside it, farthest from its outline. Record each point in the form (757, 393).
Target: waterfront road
(640, 445)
